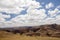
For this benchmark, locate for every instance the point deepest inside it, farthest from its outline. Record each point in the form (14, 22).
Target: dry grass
(11, 36)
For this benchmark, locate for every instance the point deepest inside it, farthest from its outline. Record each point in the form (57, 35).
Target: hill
(52, 30)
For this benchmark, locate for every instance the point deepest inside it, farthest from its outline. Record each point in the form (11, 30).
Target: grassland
(11, 36)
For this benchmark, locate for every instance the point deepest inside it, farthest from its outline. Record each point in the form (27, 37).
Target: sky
(18, 13)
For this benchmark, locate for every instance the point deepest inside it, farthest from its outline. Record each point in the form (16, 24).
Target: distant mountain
(43, 30)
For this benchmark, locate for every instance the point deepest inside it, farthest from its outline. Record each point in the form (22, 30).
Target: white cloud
(33, 17)
(49, 5)
(16, 6)
(58, 19)
(37, 13)
(2, 17)
(54, 12)
(49, 21)
(58, 6)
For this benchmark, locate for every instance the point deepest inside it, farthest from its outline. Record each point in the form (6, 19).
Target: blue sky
(48, 10)
(43, 3)
(56, 2)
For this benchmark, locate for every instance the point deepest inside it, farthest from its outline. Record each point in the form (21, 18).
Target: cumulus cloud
(54, 12)
(35, 15)
(50, 21)
(58, 19)
(16, 6)
(49, 5)
(2, 17)
(58, 6)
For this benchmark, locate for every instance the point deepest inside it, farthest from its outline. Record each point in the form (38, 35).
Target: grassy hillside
(52, 30)
(10, 36)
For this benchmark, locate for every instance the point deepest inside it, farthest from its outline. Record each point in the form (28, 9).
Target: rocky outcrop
(43, 30)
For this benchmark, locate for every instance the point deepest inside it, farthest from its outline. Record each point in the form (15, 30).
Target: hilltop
(52, 30)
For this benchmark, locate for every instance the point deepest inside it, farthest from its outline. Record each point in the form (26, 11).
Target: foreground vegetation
(11, 36)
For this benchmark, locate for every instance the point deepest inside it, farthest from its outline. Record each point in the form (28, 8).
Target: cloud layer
(36, 14)
(16, 6)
